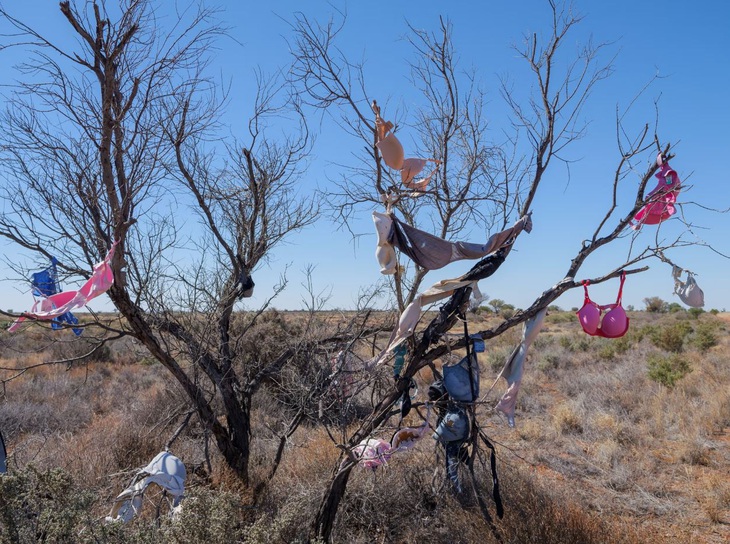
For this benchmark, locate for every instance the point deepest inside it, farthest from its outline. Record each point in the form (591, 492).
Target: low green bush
(670, 337)
(40, 506)
(705, 337)
(667, 370)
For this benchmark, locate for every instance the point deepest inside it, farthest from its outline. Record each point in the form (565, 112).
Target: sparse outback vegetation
(113, 140)
(603, 452)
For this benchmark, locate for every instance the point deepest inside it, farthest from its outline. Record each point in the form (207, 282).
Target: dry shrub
(207, 515)
(668, 370)
(695, 451)
(45, 402)
(606, 424)
(530, 430)
(400, 504)
(497, 356)
(705, 336)
(537, 512)
(38, 506)
(549, 359)
(567, 418)
(612, 426)
(607, 452)
(670, 337)
(615, 441)
(715, 499)
(561, 317)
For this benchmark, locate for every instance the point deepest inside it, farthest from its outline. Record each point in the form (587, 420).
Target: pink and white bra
(613, 324)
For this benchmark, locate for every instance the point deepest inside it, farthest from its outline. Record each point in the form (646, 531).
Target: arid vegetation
(115, 140)
(622, 440)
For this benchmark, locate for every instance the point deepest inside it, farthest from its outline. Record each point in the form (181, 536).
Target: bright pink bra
(613, 324)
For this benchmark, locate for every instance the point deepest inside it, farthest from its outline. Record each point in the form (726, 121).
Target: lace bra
(613, 324)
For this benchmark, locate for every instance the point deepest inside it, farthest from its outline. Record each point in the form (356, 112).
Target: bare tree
(477, 181)
(115, 140)
(452, 129)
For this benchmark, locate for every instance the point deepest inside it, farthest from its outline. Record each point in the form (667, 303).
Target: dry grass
(625, 445)
(601, 451)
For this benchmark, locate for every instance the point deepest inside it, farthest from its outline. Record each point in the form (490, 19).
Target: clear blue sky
(684, 44)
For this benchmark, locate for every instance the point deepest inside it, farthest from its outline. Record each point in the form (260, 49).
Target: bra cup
(411, 168)
(590, 317)
(383, 226)
(58, 300)
(392, 151)
(387, 259)
(615, 323)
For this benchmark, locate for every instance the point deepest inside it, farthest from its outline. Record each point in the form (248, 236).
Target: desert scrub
(667, 370)
(567, 418)
(544, 514)
(561, 317)
(548, 360)
(573, 344)
(207, 516)
(705, 336)
(607, 351)
(695, 312)
(497, 357)
(40, 506)
(670, 337)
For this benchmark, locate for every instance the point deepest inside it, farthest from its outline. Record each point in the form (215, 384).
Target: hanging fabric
(660, 200)
(166, 471)
(439, 291)
(514, 368)
(613, 324)
(688, 291)
(462, 379)
(429, 251)
(391, 150)
(45, 284)
(56, 305)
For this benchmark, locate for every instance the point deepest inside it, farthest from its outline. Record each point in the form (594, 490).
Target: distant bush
(508, 311)
(498, 356)
(704, 337)
(562, 317)
(81, 349)
(670, 337)
(581, 343)
(695, 312)
(625, 343)
(501, 308)
(607, 351)
(656, 305)
(667, 370)
(675, 307)
(548, 361)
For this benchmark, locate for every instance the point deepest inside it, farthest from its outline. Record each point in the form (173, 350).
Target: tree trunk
(327, 512)
(232, 439)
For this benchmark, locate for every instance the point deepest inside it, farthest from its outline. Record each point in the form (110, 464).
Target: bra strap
(586, 299)
(621, 287)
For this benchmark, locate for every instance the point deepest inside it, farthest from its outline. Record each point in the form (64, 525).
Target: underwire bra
(613, 324)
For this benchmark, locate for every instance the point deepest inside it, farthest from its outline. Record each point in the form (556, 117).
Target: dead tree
(477, 180)
(114, 140)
